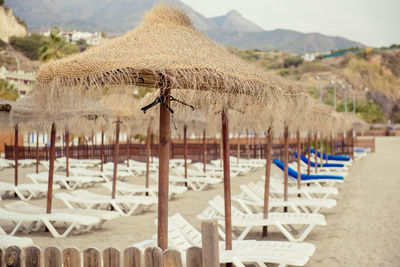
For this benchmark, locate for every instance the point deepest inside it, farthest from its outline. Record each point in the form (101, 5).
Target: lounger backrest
(190, 233)
(218, 204)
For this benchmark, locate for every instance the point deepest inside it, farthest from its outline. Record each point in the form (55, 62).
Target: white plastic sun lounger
(70, 183)
(173, 163)
(122, 169)
(133, 164)
(195, 183)
(124, 205)
(321, 170)
(251, 200)
(57, 165)
(103, 215)
(293, 253)
(245, 222)
(8, 240)
(29, 222)
(25, 191)
(182, 236)
(105, 175)
(26, 162)
(276, 189)
(135, 190)
(79, 163)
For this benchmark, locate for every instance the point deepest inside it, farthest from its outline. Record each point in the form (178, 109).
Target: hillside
(9, 25)
(118, 16)
(366, 75)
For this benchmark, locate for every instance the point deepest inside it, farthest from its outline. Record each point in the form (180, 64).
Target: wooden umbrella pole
(321, 142)
(221, 156)
(343, 144)
(267, 177)
(185, 151)
(163, 171)
(51, 167)
(116, 156)
(148, 158)
(92, 150)
(331, 143)
(129, 150)
(316, 152)
(309, 154)
(298, 160)
(247, 145)
(326, 149)
(16, 155)
(227, 182)
(204, 151)
(67, 152)
(286, 169)
(102, 152)
(151, 146)
(238, 149)
(254, 146)
(37, 152)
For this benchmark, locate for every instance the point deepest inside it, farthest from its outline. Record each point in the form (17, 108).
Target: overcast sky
(372, 22)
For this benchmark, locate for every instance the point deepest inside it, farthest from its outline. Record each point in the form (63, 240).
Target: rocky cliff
(9, 25)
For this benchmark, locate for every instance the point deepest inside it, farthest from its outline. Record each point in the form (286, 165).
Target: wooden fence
(33, 256)
(137, 151)
(368, 142)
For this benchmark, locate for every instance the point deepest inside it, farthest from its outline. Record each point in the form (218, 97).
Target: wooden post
(204, 151)
(148, 157)
(321, 142)
(102, 152)
(185, 150)
(298, 161)
(268, 141)
(151, 146)
(286, 169)
(16, 155)
(51, 167)
(210, 240)
(326, 149)
(316, 152)
(343, 144)
(309, 153)
(37, 152)
(163, 170)
(254, 146)
(227, 182)
(67, 152)
(238, 149)
(247, 145)
(129, 150)
(116, 156)
(92, 150)
(331, 143)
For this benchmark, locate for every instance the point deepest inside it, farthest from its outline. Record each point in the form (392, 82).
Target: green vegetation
(292, 61)
(3, 45)
(1, 2)
(7, 91)
(82, 45)
(36, 46)
(369, 111)
(28, 45)
(56, 47)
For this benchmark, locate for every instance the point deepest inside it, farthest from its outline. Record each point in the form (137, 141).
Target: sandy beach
(362, 230)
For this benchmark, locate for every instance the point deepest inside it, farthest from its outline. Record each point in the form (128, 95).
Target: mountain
(118, 16)
(235, 22)
(9, 25)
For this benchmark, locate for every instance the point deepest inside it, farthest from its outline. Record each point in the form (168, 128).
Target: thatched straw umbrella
(80, 110)
(165, 51)
(6, 107)
(122, 104)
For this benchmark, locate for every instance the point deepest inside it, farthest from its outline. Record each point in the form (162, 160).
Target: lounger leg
(244, 233)
(305, 233)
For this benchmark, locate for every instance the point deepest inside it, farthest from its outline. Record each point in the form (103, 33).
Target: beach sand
(362, 230)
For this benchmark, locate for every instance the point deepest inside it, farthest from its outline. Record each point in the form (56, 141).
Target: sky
(371, 22)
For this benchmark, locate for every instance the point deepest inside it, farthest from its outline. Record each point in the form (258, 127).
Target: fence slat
(209, 233)
(171, 258)
(91, 258)
(152, 257)
(111, 257)
(52, 257)
(32, 257)
(132, 257)
(12, 258)
(71, 257)
(193, 257)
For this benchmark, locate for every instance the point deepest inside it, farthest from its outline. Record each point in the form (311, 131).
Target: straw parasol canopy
(165, 47)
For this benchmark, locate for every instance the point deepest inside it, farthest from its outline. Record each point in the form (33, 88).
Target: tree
(28, 45)
(56, 47)
(1, 2)
(82, 44)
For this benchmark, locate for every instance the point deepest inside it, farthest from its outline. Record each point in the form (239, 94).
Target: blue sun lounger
(312, 163)
(305, 177)
(331, 157)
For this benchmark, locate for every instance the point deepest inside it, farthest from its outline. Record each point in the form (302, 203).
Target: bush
(369, 111)
(7, 91)
(28, 45)
(292, 61)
